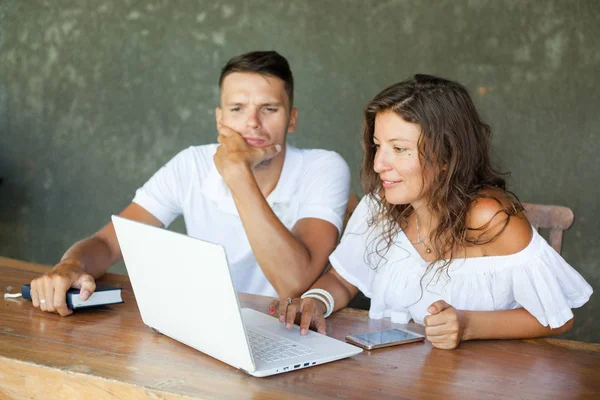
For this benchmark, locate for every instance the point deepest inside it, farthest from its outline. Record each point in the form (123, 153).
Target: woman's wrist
(324, 297)
(322, 306)
(466, 319)
(319, 303)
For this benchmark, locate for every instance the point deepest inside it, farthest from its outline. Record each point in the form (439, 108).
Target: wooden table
(110, 353)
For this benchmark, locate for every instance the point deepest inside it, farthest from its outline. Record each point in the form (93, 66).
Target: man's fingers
(63, 309)
(47, 299)
(86, 285)
(60, 304)
(61, 286)
(226, 131)
(270, 152)
(33, 291)
(232, 143)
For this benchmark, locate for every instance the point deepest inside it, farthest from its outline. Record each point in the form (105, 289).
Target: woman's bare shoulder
(496, 225)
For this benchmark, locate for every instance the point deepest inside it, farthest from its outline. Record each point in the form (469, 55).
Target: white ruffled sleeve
(548, 287)
(350, 258)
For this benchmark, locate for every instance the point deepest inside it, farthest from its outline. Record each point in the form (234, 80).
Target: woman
(437, 238)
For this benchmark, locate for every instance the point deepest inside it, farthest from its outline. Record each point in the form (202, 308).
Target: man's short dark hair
(264, 63)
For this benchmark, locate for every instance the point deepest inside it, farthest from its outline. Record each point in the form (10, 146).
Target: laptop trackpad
(256, 320)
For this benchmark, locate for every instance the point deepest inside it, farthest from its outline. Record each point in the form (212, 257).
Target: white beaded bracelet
(322, 299)
(325, 293)
(322, 295)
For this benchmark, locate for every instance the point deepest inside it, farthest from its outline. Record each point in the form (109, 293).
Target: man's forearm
(285, 260)
(506, 324)
(92, 254)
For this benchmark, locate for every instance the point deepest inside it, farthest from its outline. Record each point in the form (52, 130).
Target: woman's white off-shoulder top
(537, 278)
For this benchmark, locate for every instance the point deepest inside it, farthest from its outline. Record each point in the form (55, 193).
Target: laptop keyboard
(268, 350)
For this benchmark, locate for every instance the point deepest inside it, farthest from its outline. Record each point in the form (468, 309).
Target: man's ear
(218, 115)
(293, 120)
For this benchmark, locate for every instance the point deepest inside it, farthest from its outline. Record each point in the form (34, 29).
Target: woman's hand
(311, 313)
(444, 327)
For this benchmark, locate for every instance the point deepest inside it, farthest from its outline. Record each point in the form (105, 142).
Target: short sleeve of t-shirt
(163, 195)
(324, 187)
(350, 258)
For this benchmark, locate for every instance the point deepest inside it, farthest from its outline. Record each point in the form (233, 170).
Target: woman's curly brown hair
(454, 149)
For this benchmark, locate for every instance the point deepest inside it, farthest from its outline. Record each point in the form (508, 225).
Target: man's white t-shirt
(313, 184)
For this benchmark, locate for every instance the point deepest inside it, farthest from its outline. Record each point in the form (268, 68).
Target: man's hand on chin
(235, 157)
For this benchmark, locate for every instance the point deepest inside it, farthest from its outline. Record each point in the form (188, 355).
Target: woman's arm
(507, 324)
(446, 327)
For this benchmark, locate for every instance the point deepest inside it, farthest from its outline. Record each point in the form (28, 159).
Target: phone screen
(373, 340)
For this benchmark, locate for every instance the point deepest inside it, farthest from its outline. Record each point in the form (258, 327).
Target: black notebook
(103, 295)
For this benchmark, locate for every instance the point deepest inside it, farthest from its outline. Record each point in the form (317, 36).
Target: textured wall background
(97, 95)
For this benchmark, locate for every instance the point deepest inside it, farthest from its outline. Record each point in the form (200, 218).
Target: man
(276, 209)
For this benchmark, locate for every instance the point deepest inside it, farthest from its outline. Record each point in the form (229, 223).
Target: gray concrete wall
(97, 95)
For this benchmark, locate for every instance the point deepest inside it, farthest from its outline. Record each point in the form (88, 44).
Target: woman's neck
(427, 220)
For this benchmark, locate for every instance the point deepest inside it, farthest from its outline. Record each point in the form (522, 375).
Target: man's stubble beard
(264, 164)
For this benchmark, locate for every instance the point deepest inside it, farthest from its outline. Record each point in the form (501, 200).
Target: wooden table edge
(17, 373)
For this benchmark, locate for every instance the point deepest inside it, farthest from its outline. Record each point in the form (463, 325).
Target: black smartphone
(390, 337)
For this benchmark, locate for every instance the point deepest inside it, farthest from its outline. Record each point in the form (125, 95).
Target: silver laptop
(184, 290)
